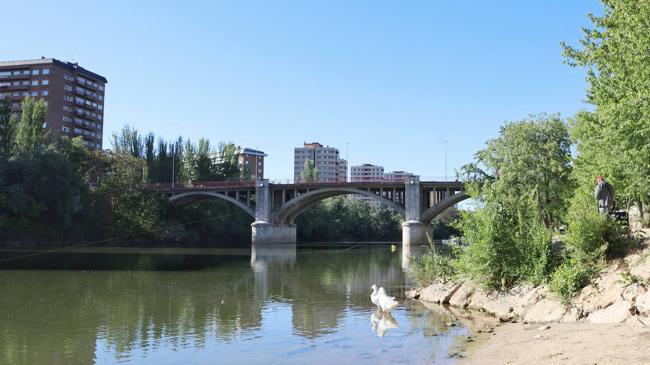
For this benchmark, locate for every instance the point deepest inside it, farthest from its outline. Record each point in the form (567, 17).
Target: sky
(386, 82)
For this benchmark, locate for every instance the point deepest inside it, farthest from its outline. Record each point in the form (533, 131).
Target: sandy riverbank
(562, 343)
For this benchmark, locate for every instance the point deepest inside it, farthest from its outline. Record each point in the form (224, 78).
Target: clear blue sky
(391, 78)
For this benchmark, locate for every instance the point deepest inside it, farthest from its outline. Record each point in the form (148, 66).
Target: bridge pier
(416, 233)
(264, 233)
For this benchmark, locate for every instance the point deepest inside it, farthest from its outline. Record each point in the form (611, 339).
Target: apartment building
(367, 173)
(326, 160)
(251, 162)
(74, 96)
(397, 176)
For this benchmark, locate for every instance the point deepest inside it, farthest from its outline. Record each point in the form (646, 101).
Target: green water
(260, 306)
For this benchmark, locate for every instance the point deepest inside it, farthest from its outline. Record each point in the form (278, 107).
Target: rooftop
(50, 61)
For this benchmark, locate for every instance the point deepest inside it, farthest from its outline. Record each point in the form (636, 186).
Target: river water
(259, 306)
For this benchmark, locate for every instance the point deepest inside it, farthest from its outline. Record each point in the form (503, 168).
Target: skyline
(391, 81)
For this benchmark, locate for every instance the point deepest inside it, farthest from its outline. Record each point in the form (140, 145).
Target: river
(214, 306)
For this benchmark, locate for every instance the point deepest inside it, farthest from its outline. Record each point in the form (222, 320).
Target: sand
(562, 343)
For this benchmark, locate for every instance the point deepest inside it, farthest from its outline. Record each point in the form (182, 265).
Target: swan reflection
(382, 322)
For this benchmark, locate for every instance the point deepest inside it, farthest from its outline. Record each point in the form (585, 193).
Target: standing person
(604, 193)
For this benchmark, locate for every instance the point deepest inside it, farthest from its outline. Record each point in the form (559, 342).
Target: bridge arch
(287, 213)
(429, 214)
(177, 199)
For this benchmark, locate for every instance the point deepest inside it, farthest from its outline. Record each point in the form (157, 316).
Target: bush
(572, 276)
(592, 235)
(505, 247)
(431, 266)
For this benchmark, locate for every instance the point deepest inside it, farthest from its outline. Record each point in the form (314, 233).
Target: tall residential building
(325, 159)
(247, 160)
(251, 162)
(367, 173)
(74, 95)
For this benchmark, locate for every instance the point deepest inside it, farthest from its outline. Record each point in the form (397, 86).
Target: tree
(525, 189)
(128, 141)
(309, 173)
(7, 129)
(31, 135)
(614, 139)
(530, 159)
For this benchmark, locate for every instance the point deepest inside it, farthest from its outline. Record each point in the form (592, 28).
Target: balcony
(14, 75)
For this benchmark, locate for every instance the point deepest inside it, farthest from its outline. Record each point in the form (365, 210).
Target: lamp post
(173, 165)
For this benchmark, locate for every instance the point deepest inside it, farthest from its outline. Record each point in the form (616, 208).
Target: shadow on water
(107, 306)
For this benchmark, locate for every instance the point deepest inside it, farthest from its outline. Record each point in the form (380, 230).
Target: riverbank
(607, 322)
(562, 343)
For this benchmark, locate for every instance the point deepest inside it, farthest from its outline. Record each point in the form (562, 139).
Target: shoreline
(607, 322)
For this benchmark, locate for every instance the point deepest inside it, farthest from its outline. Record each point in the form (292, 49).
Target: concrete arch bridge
(276, 206)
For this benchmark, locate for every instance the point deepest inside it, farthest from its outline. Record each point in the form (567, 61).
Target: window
(34, 82)
(65, 129)
(45, 92)
(67, 87)
(35, 72)
(68, 98)
(34, 93)
(46, 71)
(45, 82)
(68, 77)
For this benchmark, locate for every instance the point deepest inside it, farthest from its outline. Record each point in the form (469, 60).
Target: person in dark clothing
(604, 193)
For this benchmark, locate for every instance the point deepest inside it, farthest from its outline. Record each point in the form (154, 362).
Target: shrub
(431, 266)
(572, 276)
(505, 246)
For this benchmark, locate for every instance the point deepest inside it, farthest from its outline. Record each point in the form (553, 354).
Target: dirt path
(562, 343)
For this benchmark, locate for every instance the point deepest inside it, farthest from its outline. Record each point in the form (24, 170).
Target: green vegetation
(309, 172)
(527, 187)
(343, 219)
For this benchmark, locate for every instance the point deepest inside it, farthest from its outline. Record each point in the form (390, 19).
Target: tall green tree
(31, 134)
(7, 129)
(614, 139)
(309, 173)
(128, 141)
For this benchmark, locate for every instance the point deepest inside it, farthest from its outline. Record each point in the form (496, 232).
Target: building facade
(397, 176)
(251, 163)
(325, 159)
(74, 96)
(367, 173)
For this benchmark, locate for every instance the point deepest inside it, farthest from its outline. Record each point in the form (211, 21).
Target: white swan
(385, 302)
(374, 296)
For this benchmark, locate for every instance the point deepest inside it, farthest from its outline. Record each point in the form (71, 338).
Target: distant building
(397, 176)
(325, 159)
(74, 96)
(367, 173)
(250, 162)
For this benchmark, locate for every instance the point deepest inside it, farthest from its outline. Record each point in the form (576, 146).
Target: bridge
(274, 207)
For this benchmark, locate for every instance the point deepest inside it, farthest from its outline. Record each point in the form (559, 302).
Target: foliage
(343, 219)
(572, 276)
(521, 182)
(614, 139)
(31, 135)
(530, 158)
(309, 172)
(505, 246)
(431, 266)
(7, 129)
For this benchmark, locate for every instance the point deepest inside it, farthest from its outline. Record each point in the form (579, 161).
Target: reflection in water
(234, 307)
(409, 252)
(382, 321)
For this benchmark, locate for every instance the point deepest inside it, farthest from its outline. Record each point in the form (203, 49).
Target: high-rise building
(247, 160)
(325, 159)
(251, 162)
(74, 96)
(367, 173)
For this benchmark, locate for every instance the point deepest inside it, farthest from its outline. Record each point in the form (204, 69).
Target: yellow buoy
(393, 248)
